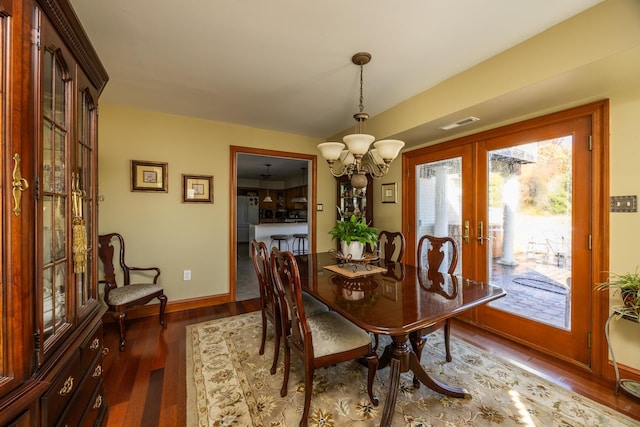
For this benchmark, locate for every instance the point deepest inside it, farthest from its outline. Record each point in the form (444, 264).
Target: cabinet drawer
(96, 408)
(91, 347)
(61, 391)
(81, 399)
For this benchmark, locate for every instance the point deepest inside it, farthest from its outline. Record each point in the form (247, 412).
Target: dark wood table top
(397, 301)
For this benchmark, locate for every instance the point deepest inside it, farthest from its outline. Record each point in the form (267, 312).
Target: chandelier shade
(355, 157)
(267, 198)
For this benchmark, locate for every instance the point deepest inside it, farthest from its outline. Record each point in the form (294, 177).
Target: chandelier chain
(361, 91)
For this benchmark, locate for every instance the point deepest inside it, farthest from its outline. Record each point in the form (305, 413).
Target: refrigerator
(247, 213)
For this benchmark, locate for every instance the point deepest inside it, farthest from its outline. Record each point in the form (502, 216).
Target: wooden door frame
(599, 113)
(312, 196)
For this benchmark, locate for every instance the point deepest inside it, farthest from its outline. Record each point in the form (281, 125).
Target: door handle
(481, 237)
(465, 236)
(19, 185)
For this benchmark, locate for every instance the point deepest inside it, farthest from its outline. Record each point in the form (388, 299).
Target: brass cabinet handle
(67, 387)
(97, 372)
(19, 184)
(95, 344)
(98, 403)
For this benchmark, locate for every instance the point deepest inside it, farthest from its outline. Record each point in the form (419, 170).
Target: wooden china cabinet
(50, 315)
(355, 201)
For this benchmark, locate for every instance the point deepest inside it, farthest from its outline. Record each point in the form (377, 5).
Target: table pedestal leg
(399, 357)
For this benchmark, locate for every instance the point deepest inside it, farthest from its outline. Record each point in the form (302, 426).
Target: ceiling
(285, 65)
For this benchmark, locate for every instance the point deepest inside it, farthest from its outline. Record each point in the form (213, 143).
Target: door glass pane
(529, 216)
(60, 225)
(47, 230)
(47, 156)
(47, 85)
(439, 201)
(60, 164)
(47, 301)
(353, 201)
(60, 294)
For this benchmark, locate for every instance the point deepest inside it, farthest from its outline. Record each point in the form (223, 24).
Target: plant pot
(630, 297)
(355, 249)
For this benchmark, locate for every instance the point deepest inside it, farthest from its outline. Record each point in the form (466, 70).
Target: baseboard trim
(173, 307)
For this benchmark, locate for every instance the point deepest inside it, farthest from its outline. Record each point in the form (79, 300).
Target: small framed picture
(149, 176)
(197, 189)
(389, 192)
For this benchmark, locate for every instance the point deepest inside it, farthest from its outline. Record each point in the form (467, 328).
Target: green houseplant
(354, 234)
(628, 286)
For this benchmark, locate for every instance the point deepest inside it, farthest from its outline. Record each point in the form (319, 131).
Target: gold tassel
(79, 245)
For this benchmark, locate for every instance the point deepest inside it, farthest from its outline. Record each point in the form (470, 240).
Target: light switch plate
(624, 204)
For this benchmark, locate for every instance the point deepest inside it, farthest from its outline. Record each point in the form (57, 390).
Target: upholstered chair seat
(126, 294)
(332, 334)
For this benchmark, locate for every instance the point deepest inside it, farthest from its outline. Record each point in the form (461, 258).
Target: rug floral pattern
(229, 384)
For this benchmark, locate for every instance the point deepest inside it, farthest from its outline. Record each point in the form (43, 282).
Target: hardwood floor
(145, 384)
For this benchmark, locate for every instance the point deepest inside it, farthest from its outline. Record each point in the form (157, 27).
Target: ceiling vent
(459, 123)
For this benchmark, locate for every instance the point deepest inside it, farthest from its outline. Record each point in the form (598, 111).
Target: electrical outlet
(186, 275)
(624, 204)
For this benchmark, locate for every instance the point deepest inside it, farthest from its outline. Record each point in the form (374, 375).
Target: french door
(519, 206)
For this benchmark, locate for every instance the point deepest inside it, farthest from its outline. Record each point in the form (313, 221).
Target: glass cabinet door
(53, 232)
(354, 201)
(84, 189)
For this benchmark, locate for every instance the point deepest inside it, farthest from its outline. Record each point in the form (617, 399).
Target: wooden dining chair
(132, 293)
(439, 254)
(391, 245)
(321, 340)
(270, 300)
(269, 303)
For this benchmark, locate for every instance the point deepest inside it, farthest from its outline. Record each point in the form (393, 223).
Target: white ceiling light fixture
(302, 198)
(267, 198)
(358, 160)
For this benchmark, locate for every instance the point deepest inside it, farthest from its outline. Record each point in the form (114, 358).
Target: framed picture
(197, 189)
(149, 176)
(389, 192)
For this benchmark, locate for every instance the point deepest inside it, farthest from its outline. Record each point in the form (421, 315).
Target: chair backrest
(438, 253)
(268, 294)
(108, 245)
(287, 279)
(106, 251)
(391, 245)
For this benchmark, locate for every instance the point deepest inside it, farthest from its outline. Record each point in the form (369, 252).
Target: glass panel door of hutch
(83, 182)
(353, 201)
(54, 199)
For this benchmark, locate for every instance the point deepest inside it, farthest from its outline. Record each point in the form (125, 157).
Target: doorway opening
(278, 196)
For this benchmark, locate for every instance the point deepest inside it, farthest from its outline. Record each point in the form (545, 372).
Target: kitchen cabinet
(50, 311)
(353, 201)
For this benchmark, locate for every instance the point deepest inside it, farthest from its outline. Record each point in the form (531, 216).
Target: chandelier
(267, 175)
(358, 159)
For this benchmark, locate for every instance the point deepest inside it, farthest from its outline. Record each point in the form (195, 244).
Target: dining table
(397, 300)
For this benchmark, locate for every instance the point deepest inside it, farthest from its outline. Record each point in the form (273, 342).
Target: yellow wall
(160, 230)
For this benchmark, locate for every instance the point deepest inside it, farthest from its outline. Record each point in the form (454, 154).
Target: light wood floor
(145, 384)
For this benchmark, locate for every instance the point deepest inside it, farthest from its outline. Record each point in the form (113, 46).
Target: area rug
(229, 384)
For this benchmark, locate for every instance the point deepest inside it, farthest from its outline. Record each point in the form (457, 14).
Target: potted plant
(354, 234)
(628, 285)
